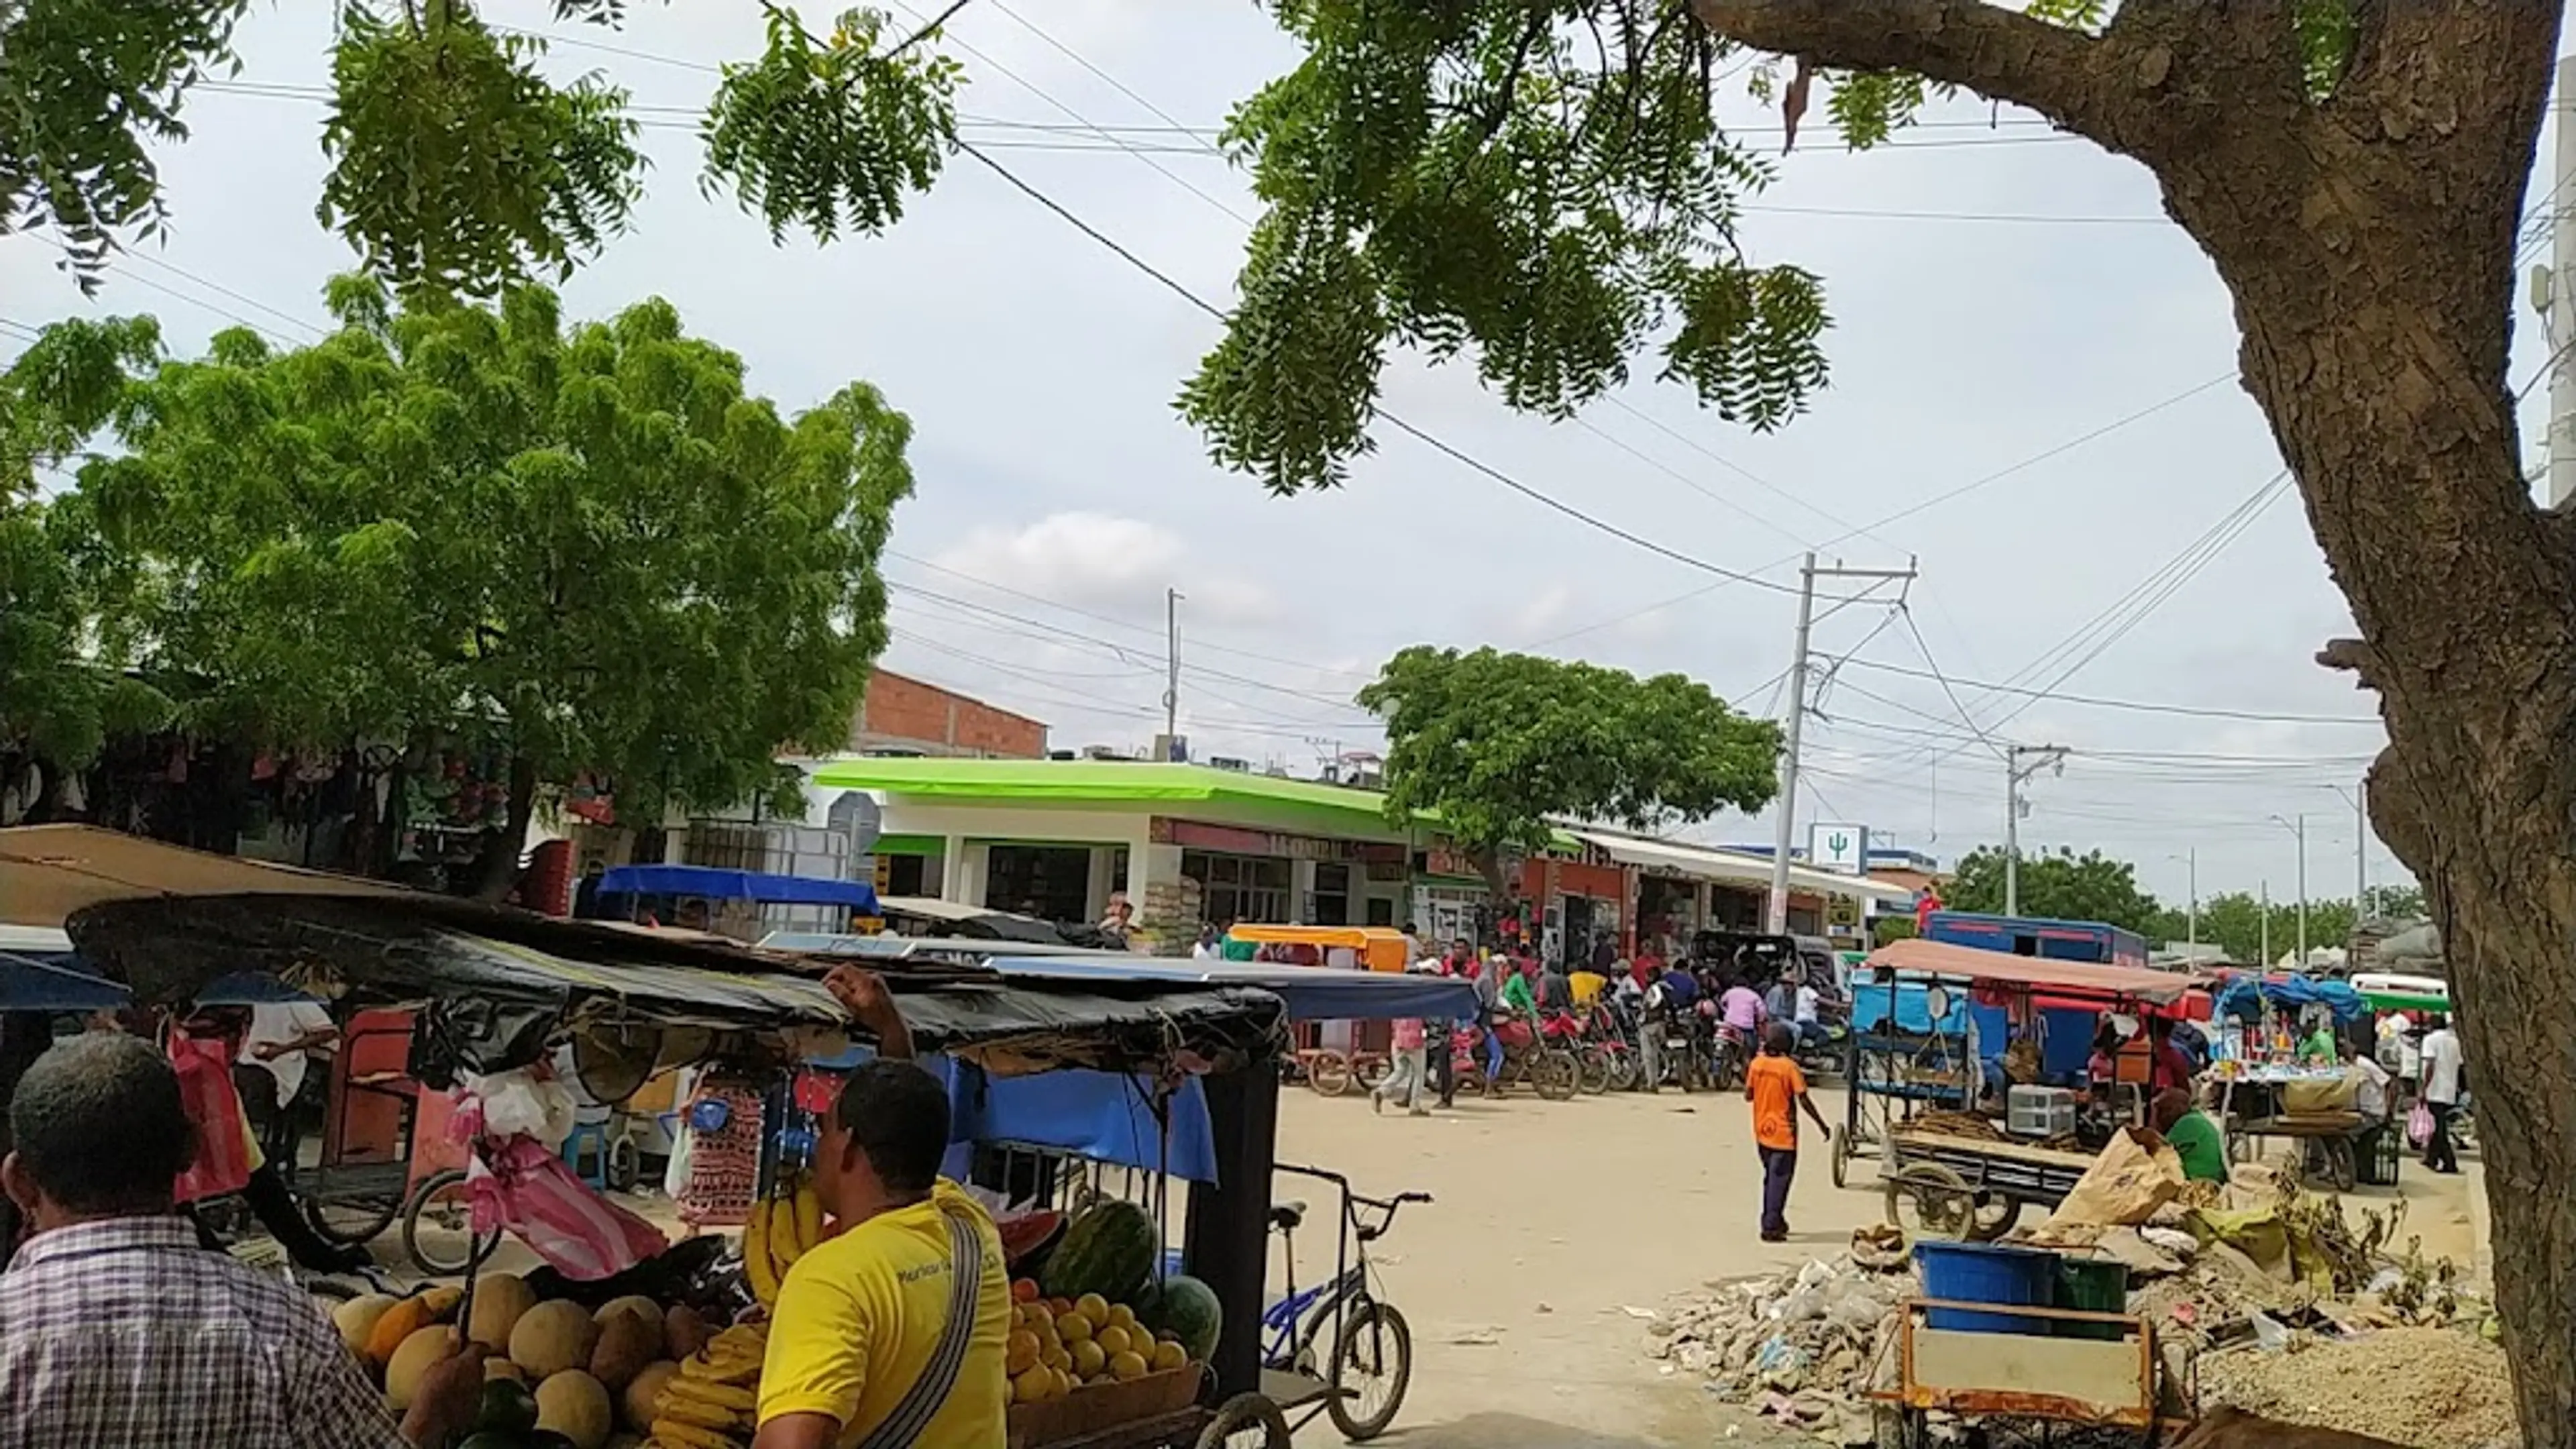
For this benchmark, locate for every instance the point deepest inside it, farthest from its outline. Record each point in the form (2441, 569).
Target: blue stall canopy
(2243, 996)
(41, 972)
(1311, 993)
(713, 884)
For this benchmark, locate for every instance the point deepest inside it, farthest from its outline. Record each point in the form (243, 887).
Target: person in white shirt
(2371, 1096)
(1207, 948)
(1803, 1011)
(282, 1042)
(2443, 1068)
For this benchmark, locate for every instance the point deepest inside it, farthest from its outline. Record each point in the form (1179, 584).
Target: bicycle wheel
(438, 1228)
(1246, 1421)
(352, 1222)
(1372, 1072)
(1556, 1075)
(1372, 1367)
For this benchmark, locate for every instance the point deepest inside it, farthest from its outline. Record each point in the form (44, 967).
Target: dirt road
(1557, 1226)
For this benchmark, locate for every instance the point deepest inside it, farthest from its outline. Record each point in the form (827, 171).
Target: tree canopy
(1502, 745)
(2059, 885)
(583, 550)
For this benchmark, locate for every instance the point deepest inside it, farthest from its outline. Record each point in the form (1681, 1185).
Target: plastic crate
(2040, 1112)
(2376, 1154)
(2091, 1285)
(1986, 1273)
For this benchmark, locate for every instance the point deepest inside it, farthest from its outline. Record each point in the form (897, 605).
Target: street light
(2358, 798)
(2192, 921)
(2298, 826)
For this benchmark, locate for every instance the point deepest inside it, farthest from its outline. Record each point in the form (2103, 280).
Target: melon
(553, 1337)
(1110, 1249)
(412, 1358)
(1186, 1309)
(499, 1301)
(626, 1344)
(575, 1405)
(644, 1392)
(356, 1319)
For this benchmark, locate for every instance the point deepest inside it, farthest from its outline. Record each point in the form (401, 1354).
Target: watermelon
(1108, 1249)
(1186, 1309)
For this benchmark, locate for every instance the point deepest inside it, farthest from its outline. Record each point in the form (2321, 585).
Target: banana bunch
(782, 1228)
(711, 1402)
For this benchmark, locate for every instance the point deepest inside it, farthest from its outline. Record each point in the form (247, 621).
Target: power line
(2140, 706)
(1925, 649)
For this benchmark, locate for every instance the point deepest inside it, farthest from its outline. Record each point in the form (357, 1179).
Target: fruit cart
(496, 989)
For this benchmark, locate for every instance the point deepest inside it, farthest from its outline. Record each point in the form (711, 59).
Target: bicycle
(1372, 1347)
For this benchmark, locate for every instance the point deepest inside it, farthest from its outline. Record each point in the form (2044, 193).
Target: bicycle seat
(1286, 1216)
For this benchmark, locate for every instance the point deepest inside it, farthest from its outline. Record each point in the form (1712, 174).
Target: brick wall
(902, 713)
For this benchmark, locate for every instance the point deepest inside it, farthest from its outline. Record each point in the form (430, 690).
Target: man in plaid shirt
(118, 1332)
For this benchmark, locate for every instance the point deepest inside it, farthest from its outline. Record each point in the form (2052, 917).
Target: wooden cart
(1969, 1188)
(2107, 1381)
(2330, 1143)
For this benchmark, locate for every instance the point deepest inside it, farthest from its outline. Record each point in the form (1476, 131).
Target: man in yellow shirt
(893, 1332)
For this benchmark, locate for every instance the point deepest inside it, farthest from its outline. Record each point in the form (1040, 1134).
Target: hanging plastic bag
(517, 1103)
(523, 1186)
(2419, 1125)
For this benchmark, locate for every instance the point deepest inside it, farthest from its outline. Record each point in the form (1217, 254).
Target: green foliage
(456, 167)
(87, 88)
(2061, 886)
(2235, 921)
(1544, 185)
(1500, 743)
(583, 547)
(832, 134)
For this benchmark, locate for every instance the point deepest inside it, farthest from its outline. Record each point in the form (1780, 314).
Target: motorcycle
(1681, 1051)
(1822, 1056)
(1529, 1056)
(1732, 1055)
(1610, 1048)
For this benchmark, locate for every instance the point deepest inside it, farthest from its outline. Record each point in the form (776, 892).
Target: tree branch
(2063, 74)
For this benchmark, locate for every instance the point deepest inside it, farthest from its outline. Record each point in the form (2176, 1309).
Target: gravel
(2438, 1388)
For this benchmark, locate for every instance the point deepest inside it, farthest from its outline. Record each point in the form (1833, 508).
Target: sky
(2032, 403)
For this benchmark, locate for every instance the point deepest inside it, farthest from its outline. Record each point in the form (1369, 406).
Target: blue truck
(2093, 941)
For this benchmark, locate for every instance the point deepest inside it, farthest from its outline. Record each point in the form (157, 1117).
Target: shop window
(1051, 882)
(1235, 888)
(906, 875)
(1381, 911)
(1332, 895)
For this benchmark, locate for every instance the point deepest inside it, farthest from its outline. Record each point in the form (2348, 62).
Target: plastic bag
(2419, 1125)
(517, 1104)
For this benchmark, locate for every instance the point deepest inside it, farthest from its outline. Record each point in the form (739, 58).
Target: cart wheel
(1943, 1205)
(1372, 1367)
(2341, 1170)
(352, 1222)
(1840, 1156)
(1995, 1216)
(1329, 1073)
(438, 1228)
(1246, 1421)
(1555, 1075)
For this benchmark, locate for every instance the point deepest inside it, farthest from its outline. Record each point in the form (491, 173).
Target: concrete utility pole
(2266, 962)
(2041, 757)
(2299, 828)
(2191, 920)
(1784, 832)
(2555, 297)
(2358, 797)
(1171, 664)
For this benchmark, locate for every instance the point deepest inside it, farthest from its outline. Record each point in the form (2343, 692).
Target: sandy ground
(1556, 1224)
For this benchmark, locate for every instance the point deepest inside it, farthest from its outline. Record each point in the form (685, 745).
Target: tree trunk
(2368, 241)
(497, 871)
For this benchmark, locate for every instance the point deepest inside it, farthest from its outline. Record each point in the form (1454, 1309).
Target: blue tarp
(2288, 993)
(1311, 993)
(709, 883)
(1910, 1008)
(1099, 1115)
(55, 982)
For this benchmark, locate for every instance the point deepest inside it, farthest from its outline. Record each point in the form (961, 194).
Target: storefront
(1580, 903)
(1683, 888)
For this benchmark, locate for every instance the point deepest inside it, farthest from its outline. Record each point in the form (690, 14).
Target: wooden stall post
(1228, 1242)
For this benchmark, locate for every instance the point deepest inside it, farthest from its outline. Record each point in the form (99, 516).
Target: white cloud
(1112, 564)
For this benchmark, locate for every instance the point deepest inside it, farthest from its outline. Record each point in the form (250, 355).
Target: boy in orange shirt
(1776, 1088)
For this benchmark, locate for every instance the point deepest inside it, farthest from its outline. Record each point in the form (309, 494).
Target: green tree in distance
(2059, 885)
(583, 549)
(1541, 186)
(1502, 745)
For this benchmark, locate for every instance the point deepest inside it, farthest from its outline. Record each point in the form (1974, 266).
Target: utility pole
(1171, 666)
(1784, 832)
(2041, 757)
(2191, 921)
(2298, 826)
(2358, 797)
(2266, 963)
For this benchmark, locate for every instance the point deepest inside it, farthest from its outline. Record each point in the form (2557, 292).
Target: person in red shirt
(2171, 1065)
(1777, 1089)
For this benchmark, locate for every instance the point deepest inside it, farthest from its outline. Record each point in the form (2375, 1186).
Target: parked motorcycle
(1529, 1055)
(1681, 1051)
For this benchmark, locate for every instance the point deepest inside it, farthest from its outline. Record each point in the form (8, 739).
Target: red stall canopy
(2088, 982)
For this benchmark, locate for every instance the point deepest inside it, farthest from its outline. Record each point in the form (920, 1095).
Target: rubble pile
(2277, 1293)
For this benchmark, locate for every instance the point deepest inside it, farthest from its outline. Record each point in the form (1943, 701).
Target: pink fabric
(520, 1185)
(1407, 1033)
(226, 1155)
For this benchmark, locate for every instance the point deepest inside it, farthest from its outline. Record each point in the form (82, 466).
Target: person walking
(2443, 1069)
(1778, 1090)
(1405, 1080)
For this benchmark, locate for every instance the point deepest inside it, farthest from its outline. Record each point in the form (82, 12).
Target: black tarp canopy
(502, 983)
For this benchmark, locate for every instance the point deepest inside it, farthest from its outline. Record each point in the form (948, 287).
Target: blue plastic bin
(1984, 1273)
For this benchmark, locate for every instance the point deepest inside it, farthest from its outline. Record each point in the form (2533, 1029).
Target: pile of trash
(2256, 1267)
(1801, 1346)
